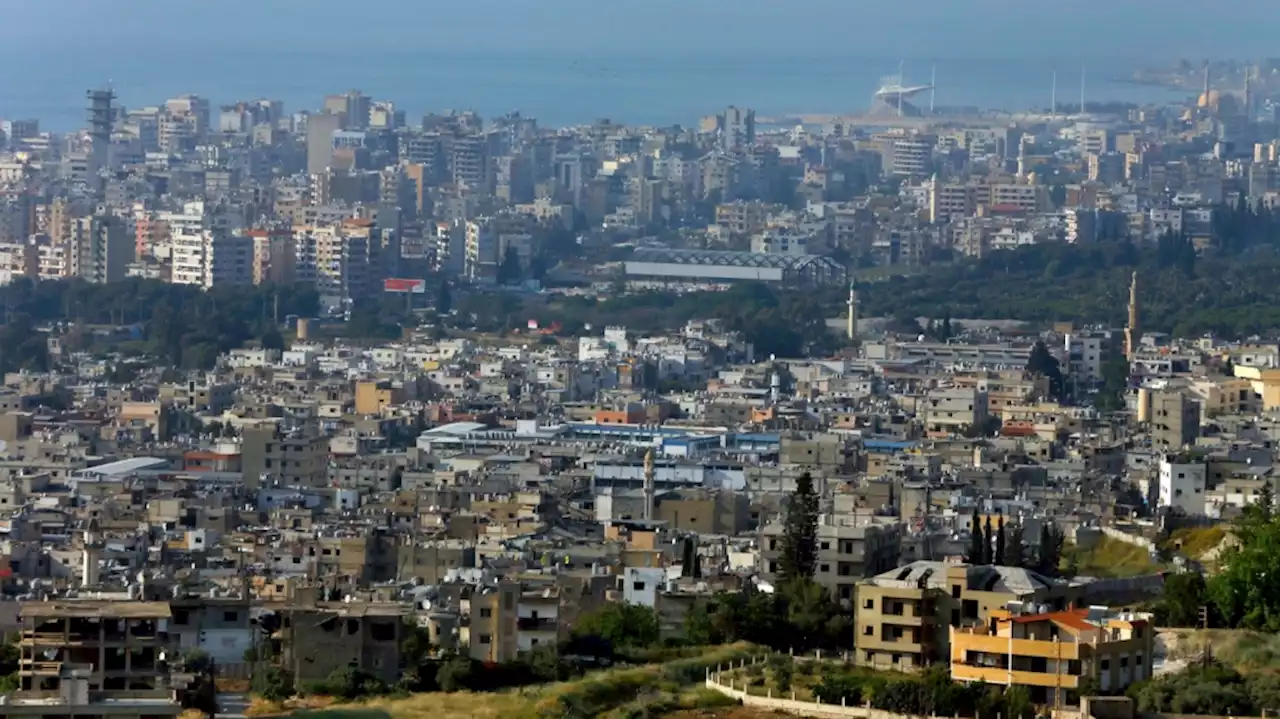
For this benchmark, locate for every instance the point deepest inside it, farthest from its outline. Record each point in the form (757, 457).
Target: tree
(1050, 550)
(1266, 501)
(1043, 364)
(509, 271)
(1181, 599)
(986, 542)
(273, 684)
(799, 556)
(1246, 590)
(689, 558)
(1016, 550)
(1000, 544)
(272, 340)
(455, 674)
(620, 624)
(975, 539)
(444, 299)
(1115, 382)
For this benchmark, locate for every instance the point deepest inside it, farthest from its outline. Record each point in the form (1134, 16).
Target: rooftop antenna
(933, 85)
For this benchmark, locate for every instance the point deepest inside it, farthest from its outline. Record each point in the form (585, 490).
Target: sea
(575, 61)
(563, 91)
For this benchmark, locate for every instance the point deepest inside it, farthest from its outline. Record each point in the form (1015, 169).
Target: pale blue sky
(925, 28)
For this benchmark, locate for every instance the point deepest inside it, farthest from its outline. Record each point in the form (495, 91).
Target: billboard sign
(404, 286)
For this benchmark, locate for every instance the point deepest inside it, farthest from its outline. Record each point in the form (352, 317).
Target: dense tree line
(181, 325)
(1224, 288)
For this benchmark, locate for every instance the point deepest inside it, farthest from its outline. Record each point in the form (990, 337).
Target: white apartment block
(1182, 485)
(18, 259)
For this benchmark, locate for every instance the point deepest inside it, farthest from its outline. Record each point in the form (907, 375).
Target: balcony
(902, 646)
(976, 639)
(536, 624)
(998, 675)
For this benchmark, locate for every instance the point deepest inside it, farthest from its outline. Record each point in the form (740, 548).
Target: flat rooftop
(91, 608)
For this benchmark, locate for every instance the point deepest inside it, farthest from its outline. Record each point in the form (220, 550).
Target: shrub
(273, 684)
(455, 674)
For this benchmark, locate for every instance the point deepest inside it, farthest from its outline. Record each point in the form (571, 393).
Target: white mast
(1053, 107)
(1082, 76)
(933, 86)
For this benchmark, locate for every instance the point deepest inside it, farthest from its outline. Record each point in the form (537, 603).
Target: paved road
(232, 706)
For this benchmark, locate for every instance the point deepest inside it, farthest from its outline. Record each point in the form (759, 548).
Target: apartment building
(274, 257)
(954, 410)
(101, 249)
(209, 258)
(19, 259)
(950, 201)
(1172, 416)
(1050, 653)
(900, 615)
(847, 554)
(297, 458)
(491, 621)
(318, 639)
(1023, 198)
(341, 262)
(1182, 484)
(92, 658)
(744, 217)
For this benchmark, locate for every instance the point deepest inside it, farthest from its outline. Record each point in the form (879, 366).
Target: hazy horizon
(573, 60)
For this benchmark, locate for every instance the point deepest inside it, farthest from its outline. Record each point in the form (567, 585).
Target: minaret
(1131, 331)
(851, 327)
(648, 485)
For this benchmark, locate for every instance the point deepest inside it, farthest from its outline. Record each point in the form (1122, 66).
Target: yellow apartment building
(1051, 653)
(902, 615)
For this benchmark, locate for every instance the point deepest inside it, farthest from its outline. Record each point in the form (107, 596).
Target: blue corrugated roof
(887, 444)
(757, 437)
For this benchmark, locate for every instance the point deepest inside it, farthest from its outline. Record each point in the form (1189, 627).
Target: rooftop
(96, 608)
(933, 575)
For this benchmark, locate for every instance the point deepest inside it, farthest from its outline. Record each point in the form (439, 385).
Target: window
(486, 639)
(486, 612)
(869, 604)
(1124, 662)
(897, 658)
(824, 568)
(868, 631)
(824, 546)
(955, 591)
(1105, 664)
(230, 616)
(637, 586)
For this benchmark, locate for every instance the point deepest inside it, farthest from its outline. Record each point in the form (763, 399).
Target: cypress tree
(799, 555)
(986, 542)
(975, 539)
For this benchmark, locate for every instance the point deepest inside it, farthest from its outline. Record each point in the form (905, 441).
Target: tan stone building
(902, 616)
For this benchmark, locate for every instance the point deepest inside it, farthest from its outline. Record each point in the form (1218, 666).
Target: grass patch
(1110, 558)
(1195, 542)
(637, 691)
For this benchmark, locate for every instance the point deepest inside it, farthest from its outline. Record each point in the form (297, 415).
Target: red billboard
(404, 286)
